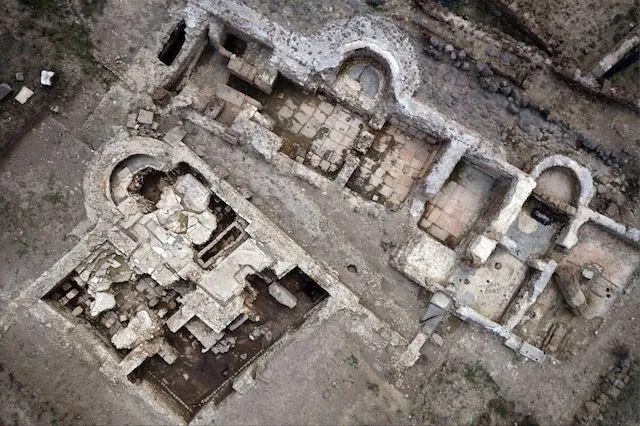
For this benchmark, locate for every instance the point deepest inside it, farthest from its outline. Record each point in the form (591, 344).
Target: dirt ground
(328, 374)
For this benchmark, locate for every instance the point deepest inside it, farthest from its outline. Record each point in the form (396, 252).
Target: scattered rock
(626, 213)
(5, 89)
(437, 339)
(23, 95)
(448, 48)
(588, 144)
(46, 77)
(19, 76)
(434, 41)
(512, 108)
(587, 274)
(483, 69)
(612, 210)
(602, 189)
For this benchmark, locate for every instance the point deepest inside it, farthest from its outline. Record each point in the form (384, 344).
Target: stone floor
(460, 203)
(399, 156)
(316, 132)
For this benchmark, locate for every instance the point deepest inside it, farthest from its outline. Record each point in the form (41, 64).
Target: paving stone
(145, 117)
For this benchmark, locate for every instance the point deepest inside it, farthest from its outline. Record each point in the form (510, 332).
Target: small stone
(23, 95)
(602, 189)
(462, 55)
(592, 407)
(466, 66)
(454, 56)
(627, 215)
(5, 89)
(588, 144)
(612, 211)
(131, 121)
(282, 295)
(540, 217)
(448, 48)
(587, 274)
(434, 41)
(512, 109)
(19, 76)
(145, 117)
(375, 3)
(483, 69)
(46, 77)
(492, 88)
(437, 339)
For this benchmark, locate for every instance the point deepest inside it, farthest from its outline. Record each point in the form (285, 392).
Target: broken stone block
(140, 329)
(145, 117)
(23, 95)
(199, 232)
(131, 121)
(175, 135)
(46, 77)
(195, 196)
(5, 89)
(282, 295)
(480, 249)
(102, 302)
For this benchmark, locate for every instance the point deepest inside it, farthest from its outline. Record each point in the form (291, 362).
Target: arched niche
(569, 167)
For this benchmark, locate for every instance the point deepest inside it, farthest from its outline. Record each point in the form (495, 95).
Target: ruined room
(419, 212)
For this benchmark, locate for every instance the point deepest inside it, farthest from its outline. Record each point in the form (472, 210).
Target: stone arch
(135, 152)
(582, 175)
(380, 40)
(362, 78)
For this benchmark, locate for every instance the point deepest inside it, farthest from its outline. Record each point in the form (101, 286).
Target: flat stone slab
(23, 95)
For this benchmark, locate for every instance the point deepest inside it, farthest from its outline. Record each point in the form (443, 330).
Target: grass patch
(476, 374)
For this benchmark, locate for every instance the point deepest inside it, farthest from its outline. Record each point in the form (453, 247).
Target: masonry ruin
(187, 285)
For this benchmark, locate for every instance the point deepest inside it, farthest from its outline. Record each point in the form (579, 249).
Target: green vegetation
(476, 374)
